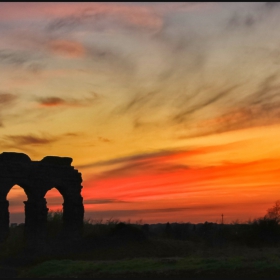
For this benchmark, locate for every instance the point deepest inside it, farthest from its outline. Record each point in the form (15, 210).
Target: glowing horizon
(169, 110)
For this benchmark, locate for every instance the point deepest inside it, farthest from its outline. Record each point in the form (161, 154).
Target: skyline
(169, 110)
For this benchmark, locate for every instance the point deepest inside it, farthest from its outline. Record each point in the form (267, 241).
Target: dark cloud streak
(25, 59)
(55, 101)
(261, 108)
(128, 159)
(21, 140)
(103, 201)
(182, 115)
(7, 101)
(29, 141)
(101, 16)
(135, 212)
(150, 163)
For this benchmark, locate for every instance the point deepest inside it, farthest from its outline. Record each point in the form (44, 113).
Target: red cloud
(132, 14)
(105, 140)
(54, 101)
(162, 180)
(66, 48)
(152, 191)
(51, 101)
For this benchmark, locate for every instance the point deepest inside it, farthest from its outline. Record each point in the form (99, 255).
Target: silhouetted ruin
(37, 178)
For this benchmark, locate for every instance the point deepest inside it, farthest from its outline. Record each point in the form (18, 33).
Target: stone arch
(37, 178)
(69, 186)
(72, 207)
(5, 187)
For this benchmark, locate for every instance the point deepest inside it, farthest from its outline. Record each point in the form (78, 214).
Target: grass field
(122, 251)
(193, 267)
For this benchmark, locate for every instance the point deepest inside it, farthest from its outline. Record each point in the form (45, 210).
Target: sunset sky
(171, 111)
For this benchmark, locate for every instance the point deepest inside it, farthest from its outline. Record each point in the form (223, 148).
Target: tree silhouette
(273, 213)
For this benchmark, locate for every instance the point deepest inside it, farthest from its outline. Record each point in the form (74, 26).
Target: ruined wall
(37, 178)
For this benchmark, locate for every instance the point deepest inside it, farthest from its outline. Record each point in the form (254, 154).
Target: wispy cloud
(7, 99)
(55, 101)
(103, 201)
(19, 140)
(135, 212)
(12, 57)
(131, 12)
(103, 139)
(20, 58)
(202, 104)
(28, 142)
(51, 101)
(66, 48)
(245, 20)
(99, 15)
(260, 108)
(161, 155)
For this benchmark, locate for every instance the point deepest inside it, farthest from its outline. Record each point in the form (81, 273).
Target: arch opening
(54, 200)
(54, 204)
(16, 197)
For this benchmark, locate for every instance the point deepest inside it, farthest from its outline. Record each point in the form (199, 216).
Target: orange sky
(170, 110)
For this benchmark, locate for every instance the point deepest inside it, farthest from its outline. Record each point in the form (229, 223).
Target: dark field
(118, 250)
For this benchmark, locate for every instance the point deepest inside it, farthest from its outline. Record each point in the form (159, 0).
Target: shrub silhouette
(273, 213)
(128, 232)
(168, 232)
(115, 239)
(264, 232)
(54, 224)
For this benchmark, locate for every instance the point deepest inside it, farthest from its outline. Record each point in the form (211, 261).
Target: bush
(264, 232)
(128, 232)
(54, 224)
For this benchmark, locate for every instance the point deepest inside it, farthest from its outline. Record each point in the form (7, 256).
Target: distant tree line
(115, 239)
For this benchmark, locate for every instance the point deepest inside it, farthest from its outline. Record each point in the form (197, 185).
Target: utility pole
(222, 219)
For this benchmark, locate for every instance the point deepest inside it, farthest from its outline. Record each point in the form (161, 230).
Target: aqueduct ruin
(37, 178)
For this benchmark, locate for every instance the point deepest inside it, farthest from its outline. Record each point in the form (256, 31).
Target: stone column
(73, 216)
(4, 219)
(36, 213)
